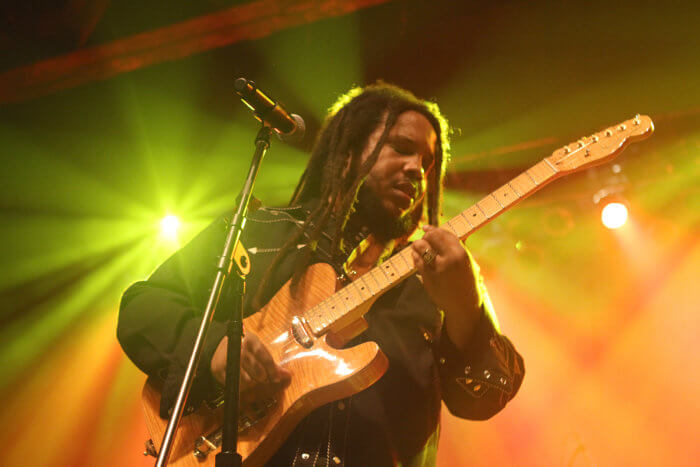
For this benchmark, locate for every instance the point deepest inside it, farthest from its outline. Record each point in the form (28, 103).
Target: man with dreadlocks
(374, 177)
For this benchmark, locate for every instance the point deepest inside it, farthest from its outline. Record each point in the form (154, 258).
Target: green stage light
(169, 227)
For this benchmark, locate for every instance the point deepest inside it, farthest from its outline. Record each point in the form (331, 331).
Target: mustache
(413, 188)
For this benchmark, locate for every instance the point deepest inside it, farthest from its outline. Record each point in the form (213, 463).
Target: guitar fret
(375, 283)
(387, 277)
(514, 190)
(318, 316)
(489, 206)
(499, 203)
(527, 172)
(524, 183)
(347, 299)
(402, 254)
(391, 270)
(335, 300)
(463, 214)
(399, 266)
(361, 286)
(505, 196)
(550, 164)
(448, 226)
(542, 171)
(476, 215)
(308, 315)
(458, 226)
(344, 298)
(464, 226)
(482, 211)
(377, 272)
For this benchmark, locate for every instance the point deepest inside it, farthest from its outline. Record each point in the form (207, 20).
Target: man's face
(395, 186)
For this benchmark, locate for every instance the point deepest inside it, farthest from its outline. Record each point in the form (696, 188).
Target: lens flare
(614, 215)
(169, 227)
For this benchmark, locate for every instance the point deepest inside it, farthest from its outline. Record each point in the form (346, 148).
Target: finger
(420, 245)
(437, 239)
(428, 254)
(266, 362)
(418, 262)
(246, 381)
(284, 374)
(444, 243)
(256, 371)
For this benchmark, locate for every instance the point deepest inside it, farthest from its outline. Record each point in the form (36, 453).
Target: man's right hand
(259, 372)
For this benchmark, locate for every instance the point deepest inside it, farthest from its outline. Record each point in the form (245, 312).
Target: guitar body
(320, 373)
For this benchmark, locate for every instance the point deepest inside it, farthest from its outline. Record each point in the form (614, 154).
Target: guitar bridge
(252, 415)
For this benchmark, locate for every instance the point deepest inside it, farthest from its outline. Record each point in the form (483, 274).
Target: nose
(413, 167)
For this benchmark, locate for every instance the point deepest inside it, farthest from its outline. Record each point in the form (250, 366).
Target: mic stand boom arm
(228, 457)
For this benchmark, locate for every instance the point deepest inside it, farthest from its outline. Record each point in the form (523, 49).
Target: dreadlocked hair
(335, 171)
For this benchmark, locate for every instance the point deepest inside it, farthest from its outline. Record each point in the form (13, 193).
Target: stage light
(169, 227)
(610, 200)
(614, 215)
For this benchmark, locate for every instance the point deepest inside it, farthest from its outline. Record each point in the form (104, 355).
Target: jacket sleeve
(479, 381)
(159, 319)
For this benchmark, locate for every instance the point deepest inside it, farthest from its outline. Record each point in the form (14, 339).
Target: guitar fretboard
(340, 306)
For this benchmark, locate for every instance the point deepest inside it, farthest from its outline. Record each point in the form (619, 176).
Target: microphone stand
(228, 457)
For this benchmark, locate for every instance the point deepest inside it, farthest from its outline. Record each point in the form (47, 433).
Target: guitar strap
(368, 253)
(324, 436)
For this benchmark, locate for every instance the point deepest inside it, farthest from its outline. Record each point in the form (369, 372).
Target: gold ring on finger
(429, 255)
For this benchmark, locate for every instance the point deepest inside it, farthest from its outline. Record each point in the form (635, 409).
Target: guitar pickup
(300, 334)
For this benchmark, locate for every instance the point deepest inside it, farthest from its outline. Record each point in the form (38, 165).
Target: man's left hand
(449, 280)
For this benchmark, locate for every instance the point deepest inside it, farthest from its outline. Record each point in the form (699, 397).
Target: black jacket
(395, 420)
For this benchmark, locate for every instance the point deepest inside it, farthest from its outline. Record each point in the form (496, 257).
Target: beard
(382, 223)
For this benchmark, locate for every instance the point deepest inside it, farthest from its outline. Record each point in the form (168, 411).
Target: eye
(403, 150)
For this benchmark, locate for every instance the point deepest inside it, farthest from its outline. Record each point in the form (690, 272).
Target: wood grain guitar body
(320, 373)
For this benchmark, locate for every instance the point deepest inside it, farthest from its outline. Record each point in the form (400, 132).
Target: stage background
(114, 114)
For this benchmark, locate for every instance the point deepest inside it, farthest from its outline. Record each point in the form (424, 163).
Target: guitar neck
(501, 199)
(345, 305)
(349, 303)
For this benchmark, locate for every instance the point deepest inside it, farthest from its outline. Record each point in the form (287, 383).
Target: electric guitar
(305, 332)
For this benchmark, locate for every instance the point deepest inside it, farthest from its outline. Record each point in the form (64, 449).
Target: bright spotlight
(614, 215)
(169, 226)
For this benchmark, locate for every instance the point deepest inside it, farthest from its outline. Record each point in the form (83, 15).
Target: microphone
(289, 127)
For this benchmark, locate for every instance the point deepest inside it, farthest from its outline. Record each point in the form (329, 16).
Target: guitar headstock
(601, 146)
